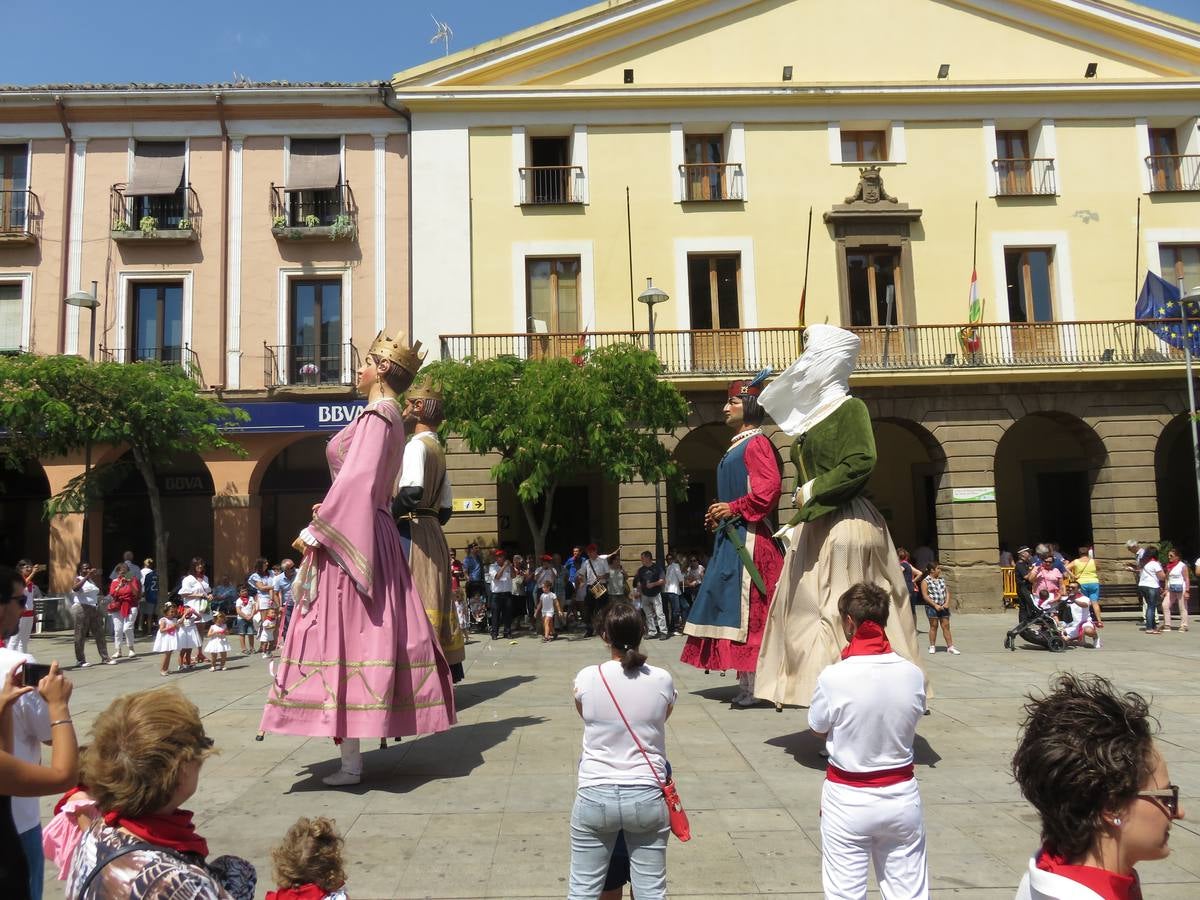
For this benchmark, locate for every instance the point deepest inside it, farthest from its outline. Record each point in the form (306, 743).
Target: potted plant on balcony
(148, 225)
(120, 225)
(185, 225)
(311, 221)
(310, 373)
(342, 228)
(279, 222)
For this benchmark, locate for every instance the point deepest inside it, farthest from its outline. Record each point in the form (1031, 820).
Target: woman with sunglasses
(1106, 803)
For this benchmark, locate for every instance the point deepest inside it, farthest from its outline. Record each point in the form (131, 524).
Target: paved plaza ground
(482, 810)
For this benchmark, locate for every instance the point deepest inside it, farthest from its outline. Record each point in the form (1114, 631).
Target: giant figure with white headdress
(836, 538)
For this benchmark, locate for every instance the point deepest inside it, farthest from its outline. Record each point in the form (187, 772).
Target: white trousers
(351, 749)
(123, 630)
(880, 826)
(20, 641)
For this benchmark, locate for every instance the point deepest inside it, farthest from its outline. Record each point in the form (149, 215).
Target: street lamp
(1185, 298)
(84, 300)
(650, 296)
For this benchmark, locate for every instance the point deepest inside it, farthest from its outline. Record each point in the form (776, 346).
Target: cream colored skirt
(803, 634)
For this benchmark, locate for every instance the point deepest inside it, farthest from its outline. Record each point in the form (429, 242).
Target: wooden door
(714, 289)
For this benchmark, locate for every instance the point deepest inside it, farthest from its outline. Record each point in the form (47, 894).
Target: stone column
(635, 516)
(1125, 494)
(237, 534)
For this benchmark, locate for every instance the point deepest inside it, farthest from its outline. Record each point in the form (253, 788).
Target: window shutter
(314, 165)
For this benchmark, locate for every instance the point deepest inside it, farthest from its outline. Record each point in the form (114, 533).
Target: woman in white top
(1178, 583)
(196, 593)
(617, 789)
(1152, 586)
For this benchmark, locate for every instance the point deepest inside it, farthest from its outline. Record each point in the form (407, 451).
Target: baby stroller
(1037, 626)
(477, 613)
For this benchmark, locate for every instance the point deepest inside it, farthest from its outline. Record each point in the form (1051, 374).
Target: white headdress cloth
(815, 385)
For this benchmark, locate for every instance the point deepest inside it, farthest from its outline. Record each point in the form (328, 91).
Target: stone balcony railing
(1098, 345)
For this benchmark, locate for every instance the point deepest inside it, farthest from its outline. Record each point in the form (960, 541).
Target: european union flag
(1159, 299)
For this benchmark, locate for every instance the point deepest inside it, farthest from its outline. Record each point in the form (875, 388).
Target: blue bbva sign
(280, 416)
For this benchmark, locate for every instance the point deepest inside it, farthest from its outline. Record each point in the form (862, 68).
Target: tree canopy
(550, 419)
(56, 405)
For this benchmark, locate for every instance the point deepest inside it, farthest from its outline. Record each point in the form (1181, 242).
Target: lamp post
(84, 300)
(650, 296)
(1184, 299)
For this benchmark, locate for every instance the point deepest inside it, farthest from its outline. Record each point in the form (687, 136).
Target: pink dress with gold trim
(360, 659)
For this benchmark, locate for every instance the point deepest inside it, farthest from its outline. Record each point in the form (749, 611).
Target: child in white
(548, 601)
(166, 641)
(266, 634)
(867, 707)
(218, 643)
(188, 635)
(1081, 624)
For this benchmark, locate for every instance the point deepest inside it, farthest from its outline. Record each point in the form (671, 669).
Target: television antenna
(444, 34)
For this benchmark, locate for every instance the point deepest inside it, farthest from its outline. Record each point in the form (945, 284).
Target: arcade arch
(295, 479)
(1045, 468)
(1175, 478)
(904, 486)
(24, 531)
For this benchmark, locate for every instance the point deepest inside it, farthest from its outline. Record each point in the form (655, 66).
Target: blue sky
(300, 40)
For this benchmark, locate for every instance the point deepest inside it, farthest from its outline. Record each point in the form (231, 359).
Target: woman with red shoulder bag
(623, 781)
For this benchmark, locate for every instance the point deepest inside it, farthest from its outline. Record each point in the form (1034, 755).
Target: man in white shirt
(867, 707)
(672, 591)
(1152, 585)
(30, 729)
(593, 570)
(500, 600)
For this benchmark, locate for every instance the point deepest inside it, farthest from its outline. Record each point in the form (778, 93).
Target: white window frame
(1043, 144)
(25, 280)
(744, 247)
(734, 151)
(1156, 237)
(1064, 285)
(1187, 136)
(587, 285)
(897, 144)
(520, 155)
(126, 280)
(286, 276)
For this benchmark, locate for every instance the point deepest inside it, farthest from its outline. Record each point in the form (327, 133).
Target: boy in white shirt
(867, 707)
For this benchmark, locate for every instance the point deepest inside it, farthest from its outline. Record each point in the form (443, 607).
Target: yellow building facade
(1050, 146)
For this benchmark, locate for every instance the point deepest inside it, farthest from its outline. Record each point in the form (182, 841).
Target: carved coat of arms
(870, 187)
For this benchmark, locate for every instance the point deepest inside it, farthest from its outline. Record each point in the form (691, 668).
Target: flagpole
(807, 256)
(1187, 362)
(975, 239)
(1137, 269)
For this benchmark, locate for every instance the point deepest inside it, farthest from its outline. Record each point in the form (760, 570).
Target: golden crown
(424, 389)
(397, 351)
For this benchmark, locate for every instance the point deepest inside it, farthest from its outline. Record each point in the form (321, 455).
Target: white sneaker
(111, 661)
(745, 700)
(132, 655)
(954, 650)
(932, 649)
(342, 778)
(1097, 645)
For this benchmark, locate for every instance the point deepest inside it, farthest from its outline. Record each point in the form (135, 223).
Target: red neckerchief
(174, 831)
(1108, 885)
(304, 892)
(868, 640)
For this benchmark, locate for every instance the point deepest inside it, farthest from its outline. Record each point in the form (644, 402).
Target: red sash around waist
(882, 778)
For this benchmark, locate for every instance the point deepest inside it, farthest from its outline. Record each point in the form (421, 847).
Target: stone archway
(1045, 468)
(698, 453)
(904, 486)
(186, 491)
(295, 478)
(24, 531)
(1175, 479)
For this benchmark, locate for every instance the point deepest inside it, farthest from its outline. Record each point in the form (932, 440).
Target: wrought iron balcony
(329, 214)
(1025, 177)
(1174, 173)
(170, 355)
(20, 217)
(551, 185)
(310, 365)
(711, 181)
(155, 217)
(950, 348)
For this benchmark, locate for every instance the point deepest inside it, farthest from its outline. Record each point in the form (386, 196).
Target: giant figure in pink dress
(360, 659)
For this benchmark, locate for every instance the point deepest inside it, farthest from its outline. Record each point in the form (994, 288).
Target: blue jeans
(671, 608)
(1150, 598)
(600, 812)
(31, 843)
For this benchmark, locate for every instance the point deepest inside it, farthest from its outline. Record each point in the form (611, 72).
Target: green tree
(55, 405)
(550, 419)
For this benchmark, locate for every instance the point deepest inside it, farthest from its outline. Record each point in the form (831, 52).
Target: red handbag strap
(621, 713)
